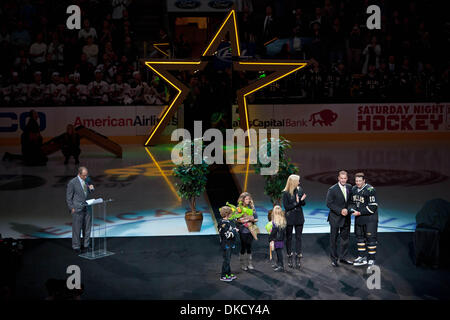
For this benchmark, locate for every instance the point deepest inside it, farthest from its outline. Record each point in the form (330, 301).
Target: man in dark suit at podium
(78, 191)
(338, 198)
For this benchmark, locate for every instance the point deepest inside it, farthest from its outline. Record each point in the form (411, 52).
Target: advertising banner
(109, 121)
(350, 118)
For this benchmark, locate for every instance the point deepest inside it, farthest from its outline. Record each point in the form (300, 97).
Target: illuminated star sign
(280, 68)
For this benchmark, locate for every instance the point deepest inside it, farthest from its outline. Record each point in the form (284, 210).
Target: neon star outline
(280, 68)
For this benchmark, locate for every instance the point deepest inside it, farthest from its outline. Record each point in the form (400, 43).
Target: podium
(97, 248)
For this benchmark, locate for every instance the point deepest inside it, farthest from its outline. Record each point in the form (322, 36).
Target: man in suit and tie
(269, 25)
(338, 198)
(78, 191)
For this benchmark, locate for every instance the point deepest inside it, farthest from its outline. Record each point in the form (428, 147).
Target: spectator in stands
(85, 69)
(427, 82)
(49, 67)
(18, 60)
(354, 49)
(108, 50)
(118, 7)
(36, 90)
(336, 42)
(371, 83)
(120, 91)
(56, 91)
(316, 81)
(99, 89)
(406, 86)
(127, 31)
(87, 31)
(300, 26)
(316, 48)
(77, 92)
(372, 54)
(128, 49)
(91, 51)
(246, 22)
(384, 78)
(338, 83)
(71, 145)
(44, 29)
(38, 52)
(138, 88)
(56, 50)
(16, 92)
(20, 37)
(24, 69)
(106, 34)
(125, 69)
(389, 46)
(392, 67)
(268, 27)
(109, 69)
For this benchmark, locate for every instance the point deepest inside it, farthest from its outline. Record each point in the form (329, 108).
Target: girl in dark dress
(277, 236)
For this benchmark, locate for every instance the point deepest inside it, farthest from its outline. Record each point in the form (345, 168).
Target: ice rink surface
(405, 175)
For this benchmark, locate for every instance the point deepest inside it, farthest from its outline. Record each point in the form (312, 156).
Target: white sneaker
(360, 261)
(250, 264)
(371, 263)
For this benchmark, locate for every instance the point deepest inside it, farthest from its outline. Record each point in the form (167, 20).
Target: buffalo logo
(324, 117)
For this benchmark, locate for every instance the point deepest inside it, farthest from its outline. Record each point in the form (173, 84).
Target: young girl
(244, 233)
(277, 236)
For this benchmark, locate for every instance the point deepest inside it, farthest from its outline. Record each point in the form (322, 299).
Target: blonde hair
(243, 195)
(225, 211)
(278, 217)
(292, 183)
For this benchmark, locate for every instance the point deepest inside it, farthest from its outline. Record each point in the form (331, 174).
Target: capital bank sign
(12, 121)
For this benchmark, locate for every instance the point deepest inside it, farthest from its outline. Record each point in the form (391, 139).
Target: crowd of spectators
(403, 60)
(44, 63)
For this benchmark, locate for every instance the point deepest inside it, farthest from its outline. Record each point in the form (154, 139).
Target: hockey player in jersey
(365, 209)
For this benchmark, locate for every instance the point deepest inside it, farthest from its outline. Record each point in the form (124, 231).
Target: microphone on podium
(88, 183)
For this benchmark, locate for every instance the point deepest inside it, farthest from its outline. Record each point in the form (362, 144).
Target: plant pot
(193, 221)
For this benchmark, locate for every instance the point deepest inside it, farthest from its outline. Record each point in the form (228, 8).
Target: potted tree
(191, 185)
(274, 184)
